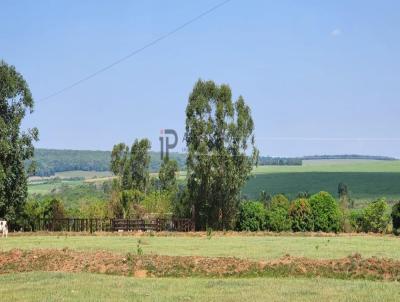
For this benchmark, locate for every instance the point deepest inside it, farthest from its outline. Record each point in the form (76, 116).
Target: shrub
(251, 216)
(325, 212)
(356, 220)
(280, 200)
(277, 218)
(396, 217)
(376, 216)
(301, 215)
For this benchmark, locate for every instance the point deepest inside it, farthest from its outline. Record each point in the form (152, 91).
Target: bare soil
(200, 234)
(66, 260)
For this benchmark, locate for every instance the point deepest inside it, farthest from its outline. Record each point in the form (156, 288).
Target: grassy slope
(48, 187)
(90, 287)
(261, 247)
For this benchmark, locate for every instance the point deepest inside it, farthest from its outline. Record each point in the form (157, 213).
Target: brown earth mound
(199, 234)
(177, 266)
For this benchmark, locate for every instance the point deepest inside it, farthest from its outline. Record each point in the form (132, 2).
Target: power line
(339, 139)
(136, 51)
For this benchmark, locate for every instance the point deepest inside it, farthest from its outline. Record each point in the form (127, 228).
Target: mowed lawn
(252, 247)
(42, 286)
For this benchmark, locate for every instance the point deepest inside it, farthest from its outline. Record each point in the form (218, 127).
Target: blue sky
(321, 77)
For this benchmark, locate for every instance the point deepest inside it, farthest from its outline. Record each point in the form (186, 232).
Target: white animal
(4, 228)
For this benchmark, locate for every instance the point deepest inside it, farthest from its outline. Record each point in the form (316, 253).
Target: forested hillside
(49, 161)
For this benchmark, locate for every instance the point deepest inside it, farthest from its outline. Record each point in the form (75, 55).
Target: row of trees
(221, 155)
(135, 193)
(319, 212)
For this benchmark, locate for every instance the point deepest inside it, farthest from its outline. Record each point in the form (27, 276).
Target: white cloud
(336, 32)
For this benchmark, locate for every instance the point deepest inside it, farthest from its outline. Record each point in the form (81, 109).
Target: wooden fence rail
(111, 225)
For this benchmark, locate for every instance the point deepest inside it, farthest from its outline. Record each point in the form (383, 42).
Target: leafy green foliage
(326, 213)
(356, 219)
(94, 209)
(300, 213)
(132, 168)
(167, 174)
(15, 145)
(396, 216)
(48, 209)
(277, 217)
(73, 196)
(132, 165)
(251, 216)
(376, 216)
(218, 134)
(158, 203)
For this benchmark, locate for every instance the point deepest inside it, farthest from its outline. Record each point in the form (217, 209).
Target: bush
(301, 215)
(325, 212)
(396, 217)
(356, 220)
(376, 216)
(280, 200)
(277, 218)
(251, 216)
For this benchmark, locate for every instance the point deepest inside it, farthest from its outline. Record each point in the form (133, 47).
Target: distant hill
(348, 156)
(298, 161)
(51, 161)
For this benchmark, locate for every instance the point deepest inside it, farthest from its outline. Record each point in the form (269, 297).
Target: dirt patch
(141, 274)
(200, 234)
(352, 267)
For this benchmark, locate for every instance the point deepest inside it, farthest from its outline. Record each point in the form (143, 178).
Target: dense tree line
(48, 161)
(347, 156)
(280, 161)
(319, 213)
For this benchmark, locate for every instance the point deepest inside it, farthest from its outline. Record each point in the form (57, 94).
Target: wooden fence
(113, 225)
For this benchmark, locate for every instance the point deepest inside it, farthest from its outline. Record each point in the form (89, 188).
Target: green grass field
(42, 286)
(56, 286)
(251, 247)
(49, 187)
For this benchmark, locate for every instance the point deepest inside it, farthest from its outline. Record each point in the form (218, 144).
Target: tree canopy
(16, 146)
(221, 152)
(167, 174)
(132, 165)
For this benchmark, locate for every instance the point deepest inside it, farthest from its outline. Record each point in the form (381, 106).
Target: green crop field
(366, 179)
(249, 247)
(335, 165)
(41, 286)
